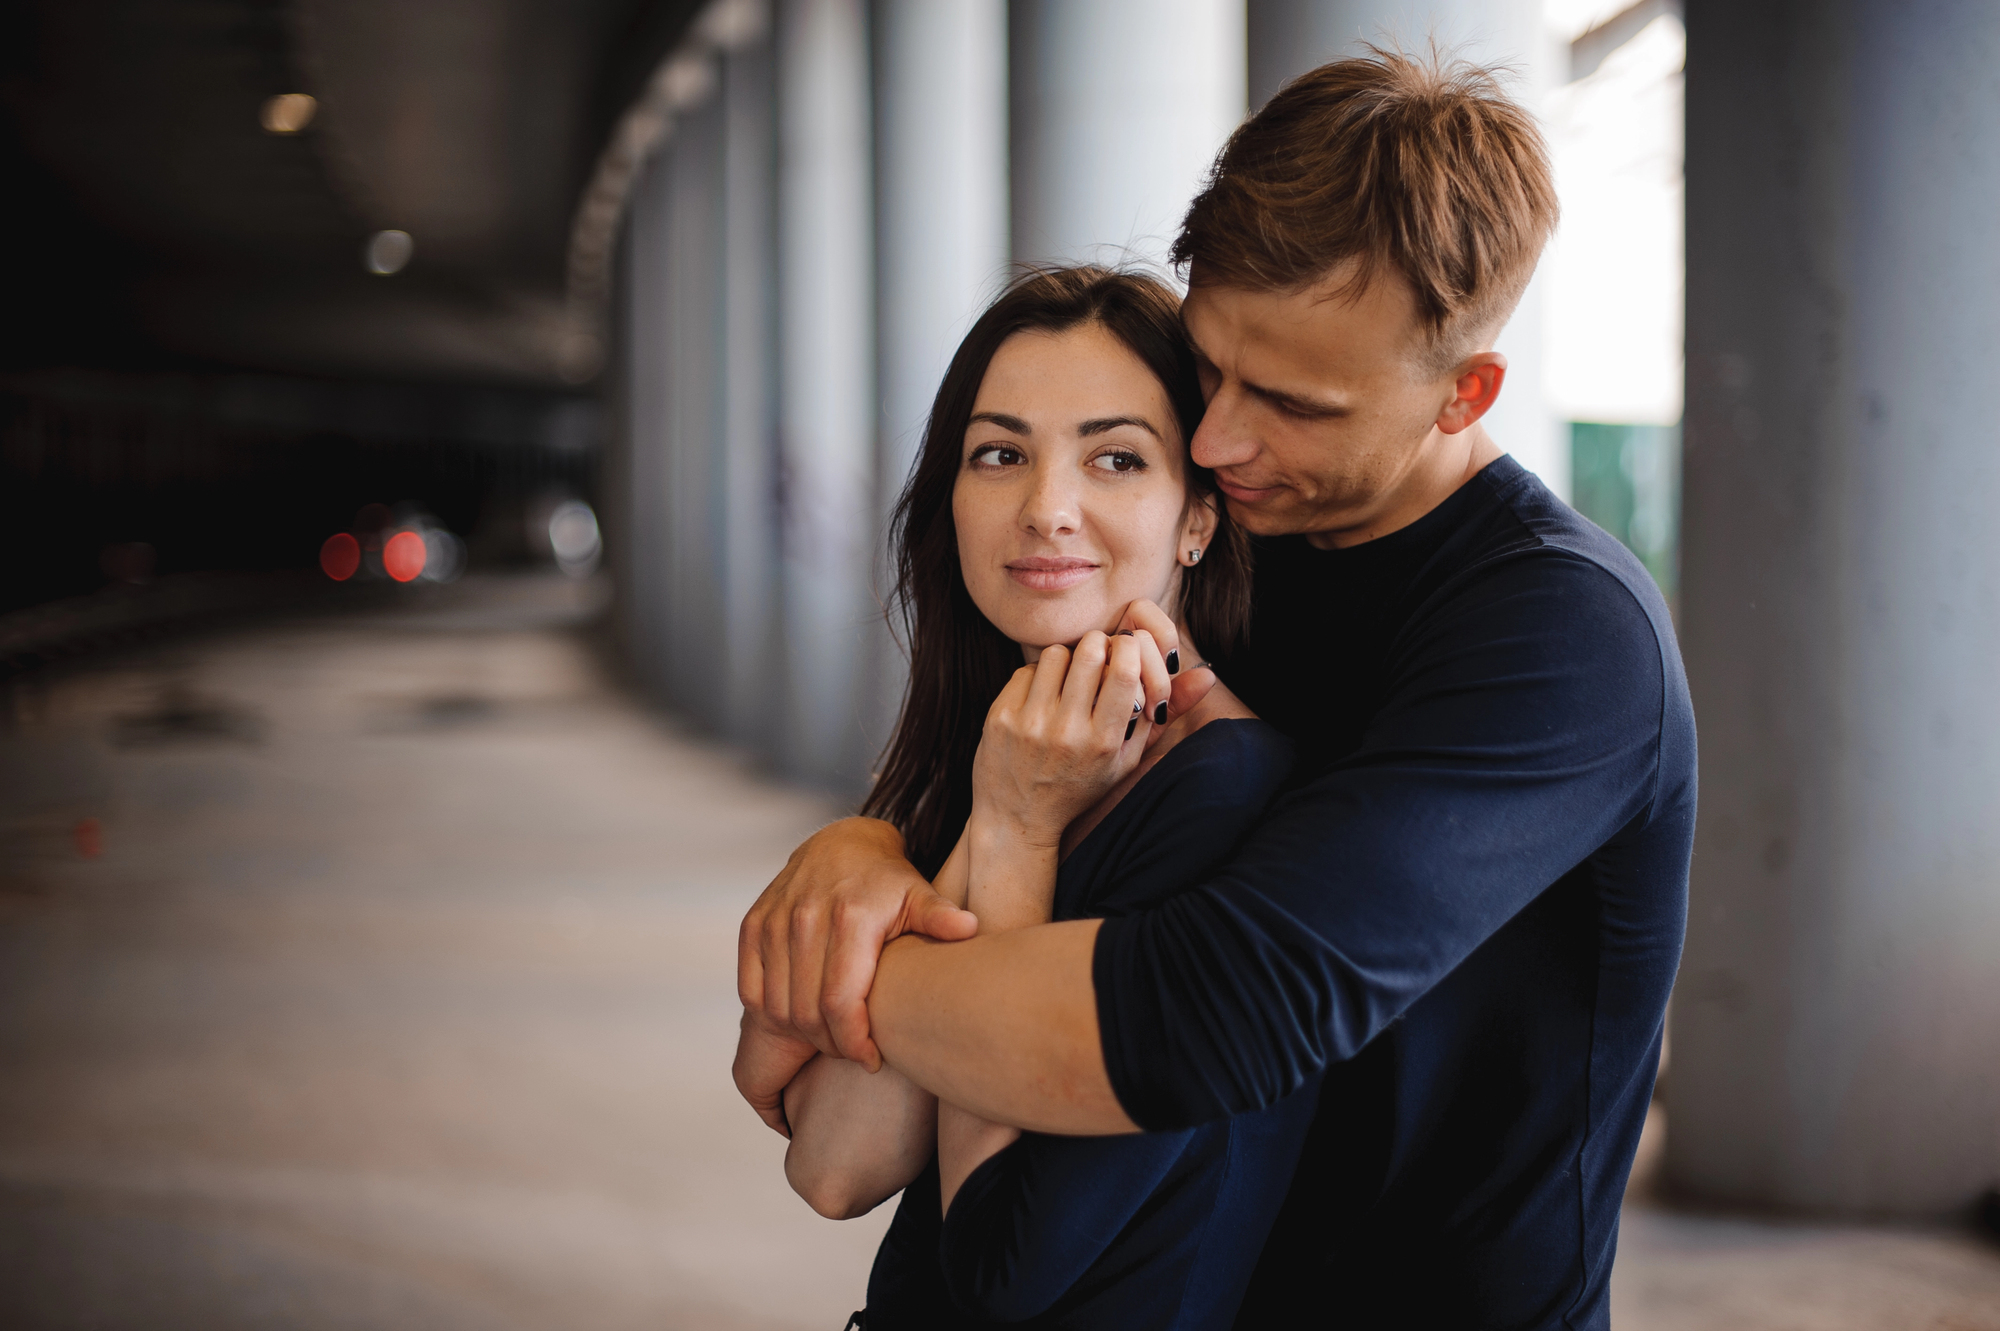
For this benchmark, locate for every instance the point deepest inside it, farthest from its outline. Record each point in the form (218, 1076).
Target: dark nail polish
(1160, 714)
(1174, 661)
(1131, 726)
(1136, 707)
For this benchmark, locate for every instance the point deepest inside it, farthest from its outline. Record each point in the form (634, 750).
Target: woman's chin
(1036, 638)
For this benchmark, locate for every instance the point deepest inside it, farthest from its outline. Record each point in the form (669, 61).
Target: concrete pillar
(1289, 37)
(1117, 110)
(747, 387)
(639, 525)
(1837, 1024)
(686, 185)
(826, 385)
(941, 232)
(693, 517)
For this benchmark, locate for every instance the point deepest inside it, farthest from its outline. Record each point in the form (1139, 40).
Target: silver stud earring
(1194, 555)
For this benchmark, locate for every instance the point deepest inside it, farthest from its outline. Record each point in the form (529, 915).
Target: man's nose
(1052, 506)
(1225, 437)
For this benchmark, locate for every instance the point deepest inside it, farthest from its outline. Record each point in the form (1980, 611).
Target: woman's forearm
(1004, 1026)
(859, 1137)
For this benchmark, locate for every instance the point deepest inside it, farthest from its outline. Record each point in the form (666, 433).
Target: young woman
(1054, 491)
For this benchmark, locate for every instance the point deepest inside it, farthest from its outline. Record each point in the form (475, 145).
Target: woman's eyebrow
(1012, 424)
(1104, 423)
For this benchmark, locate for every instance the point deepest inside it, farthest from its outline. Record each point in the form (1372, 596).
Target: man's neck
(1450, 460)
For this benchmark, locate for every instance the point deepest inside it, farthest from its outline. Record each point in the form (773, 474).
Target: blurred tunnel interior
(445, 454)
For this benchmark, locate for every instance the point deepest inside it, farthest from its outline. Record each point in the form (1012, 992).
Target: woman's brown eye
(1121, 462)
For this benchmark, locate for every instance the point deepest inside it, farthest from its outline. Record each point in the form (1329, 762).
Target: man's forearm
(1004, 1026)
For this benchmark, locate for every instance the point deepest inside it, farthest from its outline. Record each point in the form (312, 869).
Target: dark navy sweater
(1462, 918)
(1129, 1233)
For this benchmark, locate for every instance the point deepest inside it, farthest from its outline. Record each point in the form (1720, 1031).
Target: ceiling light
(289, 112)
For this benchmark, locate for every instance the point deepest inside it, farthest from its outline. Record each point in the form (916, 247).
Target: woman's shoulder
(1229, 759)
(1183, 818)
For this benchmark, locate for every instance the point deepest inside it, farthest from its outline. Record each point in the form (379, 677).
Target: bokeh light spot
(388, 252)
(89, 838)
(340, 557)
(288, 113)
(403, 556)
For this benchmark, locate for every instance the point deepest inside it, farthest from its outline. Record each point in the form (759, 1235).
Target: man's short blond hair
(1423, 165)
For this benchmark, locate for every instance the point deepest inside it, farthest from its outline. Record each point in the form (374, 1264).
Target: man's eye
(1118, 462)
(997, 455)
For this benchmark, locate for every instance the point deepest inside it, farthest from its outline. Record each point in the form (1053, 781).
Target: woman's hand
(1065, 731)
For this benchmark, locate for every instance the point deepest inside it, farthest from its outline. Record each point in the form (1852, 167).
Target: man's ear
(1474, 392)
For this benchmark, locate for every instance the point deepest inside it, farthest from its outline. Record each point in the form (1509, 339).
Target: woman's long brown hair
(959, 661)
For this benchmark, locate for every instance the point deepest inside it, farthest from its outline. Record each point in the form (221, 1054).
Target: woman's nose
(1051, 507)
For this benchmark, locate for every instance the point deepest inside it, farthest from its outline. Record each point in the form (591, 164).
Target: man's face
(1321, 408)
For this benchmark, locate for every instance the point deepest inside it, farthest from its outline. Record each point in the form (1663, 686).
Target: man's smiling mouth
(1244, 494)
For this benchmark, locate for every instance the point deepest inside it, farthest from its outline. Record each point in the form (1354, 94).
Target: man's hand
(766, 1061)
(805, 957)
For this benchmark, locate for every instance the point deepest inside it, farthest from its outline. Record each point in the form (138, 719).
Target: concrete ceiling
(154, 220)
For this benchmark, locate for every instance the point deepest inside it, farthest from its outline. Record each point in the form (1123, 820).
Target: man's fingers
(811, 938)
(854, 945)
(931, 915)
(750, 960)
(765, 1064)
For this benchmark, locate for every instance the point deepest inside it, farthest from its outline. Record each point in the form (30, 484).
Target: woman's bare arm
(1011, 885)
(859, 1137)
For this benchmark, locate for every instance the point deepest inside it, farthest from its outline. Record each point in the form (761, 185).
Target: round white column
(1118, 109)
(826, 385)
(1289, 37)
(1837, 1023)
(941, 228)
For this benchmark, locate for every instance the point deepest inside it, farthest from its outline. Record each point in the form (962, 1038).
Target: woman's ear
(1199, 530)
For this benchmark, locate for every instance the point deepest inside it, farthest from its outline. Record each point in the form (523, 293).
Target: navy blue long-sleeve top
(1463, 916)
(1128, 1233)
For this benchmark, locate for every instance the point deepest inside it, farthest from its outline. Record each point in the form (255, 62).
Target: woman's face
(1072, 496)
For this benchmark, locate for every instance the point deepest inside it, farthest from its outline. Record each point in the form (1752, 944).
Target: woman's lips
(1048, 574)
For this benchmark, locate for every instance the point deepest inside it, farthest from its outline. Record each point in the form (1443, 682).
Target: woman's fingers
(1086, 670)
(1117, 710)
(1153, 677)
(1046, 683)
(1145, 615)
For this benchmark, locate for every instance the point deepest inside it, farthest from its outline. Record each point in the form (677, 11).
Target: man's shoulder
(1519, 532)
(1562, 578)
(1517, 540)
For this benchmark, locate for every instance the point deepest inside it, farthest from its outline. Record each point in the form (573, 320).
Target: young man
(1461, 923)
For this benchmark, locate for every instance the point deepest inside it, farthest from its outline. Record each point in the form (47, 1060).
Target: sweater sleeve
(1520, 731)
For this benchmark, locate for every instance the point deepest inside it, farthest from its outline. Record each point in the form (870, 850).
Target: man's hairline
(1474, 342)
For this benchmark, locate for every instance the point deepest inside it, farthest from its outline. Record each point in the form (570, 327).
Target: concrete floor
(391, 986)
